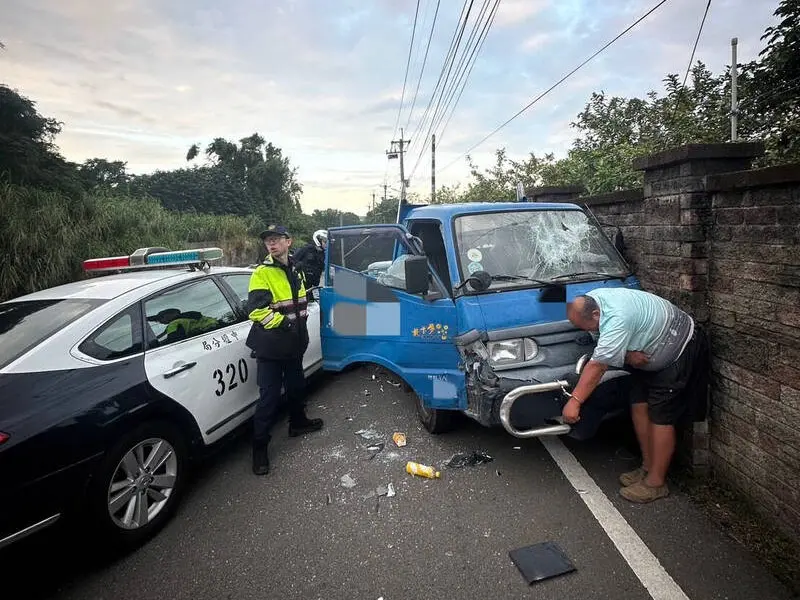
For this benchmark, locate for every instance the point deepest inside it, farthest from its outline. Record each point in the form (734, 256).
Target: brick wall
(723, 242)
(754, 296)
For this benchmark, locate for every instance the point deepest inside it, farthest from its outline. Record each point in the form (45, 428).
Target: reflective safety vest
(276, 293)
(190, 325)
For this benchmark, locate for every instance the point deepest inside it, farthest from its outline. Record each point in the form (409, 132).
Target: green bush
(45, 236)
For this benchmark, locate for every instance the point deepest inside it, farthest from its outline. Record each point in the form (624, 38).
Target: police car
(109, 386)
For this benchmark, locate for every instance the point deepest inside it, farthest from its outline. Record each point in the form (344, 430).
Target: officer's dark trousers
(271, 375)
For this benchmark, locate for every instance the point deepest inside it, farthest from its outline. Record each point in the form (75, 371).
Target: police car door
(196, 355)
(369, 314)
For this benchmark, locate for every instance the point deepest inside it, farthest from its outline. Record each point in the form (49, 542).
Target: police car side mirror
(416, 272)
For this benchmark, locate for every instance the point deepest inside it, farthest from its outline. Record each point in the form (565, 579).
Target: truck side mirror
(416, 271)
(480, 281)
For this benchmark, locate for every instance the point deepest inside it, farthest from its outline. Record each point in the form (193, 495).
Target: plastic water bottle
(422, 470)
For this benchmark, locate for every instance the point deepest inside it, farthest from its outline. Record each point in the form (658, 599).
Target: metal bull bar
(535, 388)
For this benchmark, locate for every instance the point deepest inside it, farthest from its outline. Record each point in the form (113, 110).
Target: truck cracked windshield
(467, 304)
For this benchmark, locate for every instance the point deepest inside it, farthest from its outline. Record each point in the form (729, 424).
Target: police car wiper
(601, 273)
(518, 278)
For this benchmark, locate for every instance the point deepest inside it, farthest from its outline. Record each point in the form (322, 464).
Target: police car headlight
(509, 352)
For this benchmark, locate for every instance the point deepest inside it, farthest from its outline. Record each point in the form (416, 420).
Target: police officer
(277, 306)
(312, 257)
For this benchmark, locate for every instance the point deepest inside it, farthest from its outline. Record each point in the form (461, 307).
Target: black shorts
(678, 391)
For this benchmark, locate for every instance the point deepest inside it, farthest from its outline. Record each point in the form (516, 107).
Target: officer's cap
(274, 230)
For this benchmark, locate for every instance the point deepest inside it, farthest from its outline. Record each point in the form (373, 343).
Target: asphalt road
(299, 533)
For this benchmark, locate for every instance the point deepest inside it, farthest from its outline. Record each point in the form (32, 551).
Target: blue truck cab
(466, 303)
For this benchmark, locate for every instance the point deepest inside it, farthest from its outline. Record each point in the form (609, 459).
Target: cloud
(142, 80)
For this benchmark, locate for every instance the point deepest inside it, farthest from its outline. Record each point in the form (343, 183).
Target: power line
(447, 59)
(424, 61)
(691, 60)
(443, 91)
(462, 67)
(463, 78)
(408, 64)
(559, 82)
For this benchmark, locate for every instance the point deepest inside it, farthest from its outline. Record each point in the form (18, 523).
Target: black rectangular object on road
(541, 561)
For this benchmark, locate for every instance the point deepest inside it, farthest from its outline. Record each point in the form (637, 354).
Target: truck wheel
(435, 420)
(138, 486)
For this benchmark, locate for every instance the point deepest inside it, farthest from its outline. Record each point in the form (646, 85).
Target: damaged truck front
(468, 307)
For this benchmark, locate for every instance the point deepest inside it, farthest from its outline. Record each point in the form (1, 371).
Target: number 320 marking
(231, 371)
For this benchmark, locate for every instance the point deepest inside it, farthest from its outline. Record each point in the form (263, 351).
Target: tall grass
(45, 236)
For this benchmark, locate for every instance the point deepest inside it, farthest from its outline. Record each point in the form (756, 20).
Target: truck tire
(433, 419)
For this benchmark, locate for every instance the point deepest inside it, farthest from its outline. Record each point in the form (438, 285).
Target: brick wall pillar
(672, 255)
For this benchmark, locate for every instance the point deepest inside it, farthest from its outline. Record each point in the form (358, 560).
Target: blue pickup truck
(466, 303)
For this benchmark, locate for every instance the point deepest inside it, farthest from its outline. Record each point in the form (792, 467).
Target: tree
(331, 217)
(28, 154)
(102, 173)
(777, 79)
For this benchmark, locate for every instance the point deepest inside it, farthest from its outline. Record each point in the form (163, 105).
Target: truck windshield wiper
(602, 273)
(518, 278)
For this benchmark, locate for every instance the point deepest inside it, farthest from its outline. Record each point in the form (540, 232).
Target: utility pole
(373, 200)
(734, 96)
(433, 169)
(385, 185)
(398, 149)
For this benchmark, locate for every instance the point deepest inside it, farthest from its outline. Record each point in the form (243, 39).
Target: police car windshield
(534, 244)
(25, 324)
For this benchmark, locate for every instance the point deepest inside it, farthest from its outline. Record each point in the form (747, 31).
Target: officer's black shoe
(304, 425)
(260, 460)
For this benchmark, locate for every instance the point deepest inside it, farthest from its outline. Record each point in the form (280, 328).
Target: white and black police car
(110, 386)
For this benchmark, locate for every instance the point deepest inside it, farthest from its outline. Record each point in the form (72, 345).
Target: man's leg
(299, 423)
(662, 446)
(641, 425)
(269, 387)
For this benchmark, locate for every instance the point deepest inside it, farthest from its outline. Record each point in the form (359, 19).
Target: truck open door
(382, 303)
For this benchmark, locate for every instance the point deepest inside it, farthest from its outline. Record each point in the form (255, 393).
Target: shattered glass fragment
(458, 461)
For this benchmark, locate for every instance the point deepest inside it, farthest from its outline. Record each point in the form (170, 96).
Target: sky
(142, 80)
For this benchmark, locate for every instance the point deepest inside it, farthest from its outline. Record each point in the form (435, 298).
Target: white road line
(644, 564)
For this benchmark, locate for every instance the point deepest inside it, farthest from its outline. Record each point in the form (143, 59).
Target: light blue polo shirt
(634, 320)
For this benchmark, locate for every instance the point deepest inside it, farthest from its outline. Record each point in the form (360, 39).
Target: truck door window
(433, 243)
(371, 253)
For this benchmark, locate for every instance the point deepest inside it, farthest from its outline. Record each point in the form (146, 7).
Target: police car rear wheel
(138, 486)
(434, 420)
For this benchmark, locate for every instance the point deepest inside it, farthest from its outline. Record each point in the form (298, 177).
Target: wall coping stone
(555, 190)
(691, 152)
(620, 197)
(738, 180)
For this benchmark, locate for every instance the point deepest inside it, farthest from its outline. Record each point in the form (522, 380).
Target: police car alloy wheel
(137, 487)
(142, 483)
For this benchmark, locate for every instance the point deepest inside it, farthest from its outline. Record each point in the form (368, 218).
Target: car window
(25, 324)
(186, 312)
(240, 284)
(120, 337)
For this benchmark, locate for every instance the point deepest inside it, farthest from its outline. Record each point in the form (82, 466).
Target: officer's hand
(571, 411)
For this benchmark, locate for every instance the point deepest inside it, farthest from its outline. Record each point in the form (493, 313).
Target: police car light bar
(144, 258)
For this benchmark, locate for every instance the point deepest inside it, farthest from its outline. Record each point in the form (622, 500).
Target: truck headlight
(509, 352)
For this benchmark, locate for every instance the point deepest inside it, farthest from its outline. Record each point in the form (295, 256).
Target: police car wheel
(433, 419)
(138, 486)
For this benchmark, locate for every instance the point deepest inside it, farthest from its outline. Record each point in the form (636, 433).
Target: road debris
(399, 438)
(458, 461)
(348, 481)
(396, 384)
(517, 447)
(328, 499)
(368, 434)
(375, 449)
(541, 561)
(366, 392)
(390, 491)
(413, 468)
